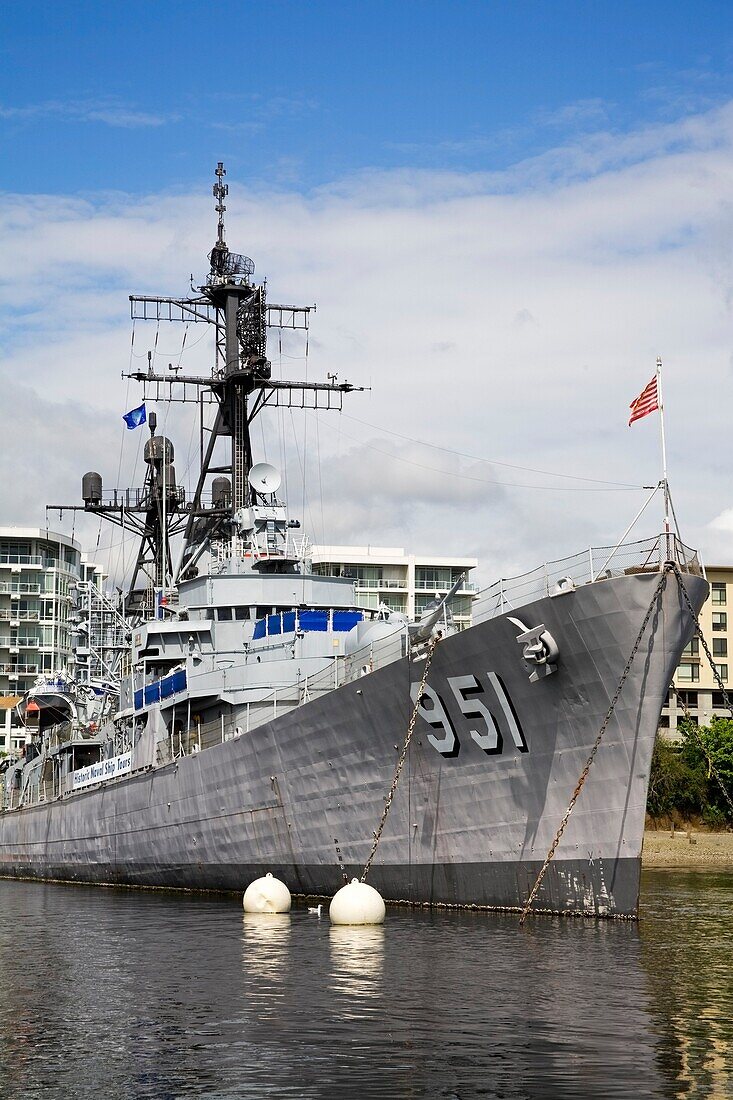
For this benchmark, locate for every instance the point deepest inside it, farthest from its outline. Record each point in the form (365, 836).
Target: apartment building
(694, 679)
(405, 582)
(38, 572)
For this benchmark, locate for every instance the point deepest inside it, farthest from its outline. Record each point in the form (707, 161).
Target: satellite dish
(264, 478)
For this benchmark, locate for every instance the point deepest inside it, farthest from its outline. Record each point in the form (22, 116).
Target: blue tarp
(287, 622)
(313, 620)
(161, 689)
(346, 620)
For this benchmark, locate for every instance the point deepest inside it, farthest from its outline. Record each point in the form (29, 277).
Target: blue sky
(505, 212)
(144, 96)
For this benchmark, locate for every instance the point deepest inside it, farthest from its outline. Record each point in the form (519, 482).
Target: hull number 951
(491, 713)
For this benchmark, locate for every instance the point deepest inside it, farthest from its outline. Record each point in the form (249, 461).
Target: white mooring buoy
(267, 895)
(357, 903)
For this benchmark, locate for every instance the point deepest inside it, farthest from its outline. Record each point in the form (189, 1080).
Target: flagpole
(665, 485)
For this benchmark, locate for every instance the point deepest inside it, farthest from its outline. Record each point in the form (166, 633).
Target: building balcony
(378, 586)
(14, 671)
(424, 586)
(16, 615)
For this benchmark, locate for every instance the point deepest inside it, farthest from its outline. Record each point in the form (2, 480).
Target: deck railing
(597, 563)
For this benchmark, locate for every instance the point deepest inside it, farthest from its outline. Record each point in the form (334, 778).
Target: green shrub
(681, 782)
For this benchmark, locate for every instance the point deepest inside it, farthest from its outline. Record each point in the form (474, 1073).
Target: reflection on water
(265, 959)
(357, 961)
(687, 950)
(136, 995)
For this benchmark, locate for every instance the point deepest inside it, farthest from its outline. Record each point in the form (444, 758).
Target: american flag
(646, 402)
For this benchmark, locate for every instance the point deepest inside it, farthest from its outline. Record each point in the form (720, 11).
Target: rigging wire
(162, 351)
(491, 461)
(262, 433)
(305, 438)
(604, 487)
(281, 417)
(320, 479)
(306, 504)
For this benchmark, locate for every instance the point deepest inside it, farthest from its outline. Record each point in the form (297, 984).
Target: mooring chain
(401, 759)
(726, 698)
(584, 774)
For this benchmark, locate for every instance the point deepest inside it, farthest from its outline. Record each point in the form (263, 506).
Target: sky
(504, 212)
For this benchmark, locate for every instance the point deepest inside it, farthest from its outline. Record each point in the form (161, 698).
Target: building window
(436, 579)
(720, 620)
(722, 671)
(687, 699)
(692, 649)
(718, 701)
(688, 673)
(718, 593)
(664, 721)
(720, 647)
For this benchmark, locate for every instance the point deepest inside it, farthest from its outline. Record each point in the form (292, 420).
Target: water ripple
(134, 995)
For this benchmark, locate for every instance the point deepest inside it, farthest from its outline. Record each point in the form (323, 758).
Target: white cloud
(110, 112)
(511, 316)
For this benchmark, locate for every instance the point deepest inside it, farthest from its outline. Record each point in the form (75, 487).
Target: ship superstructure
(262, 708)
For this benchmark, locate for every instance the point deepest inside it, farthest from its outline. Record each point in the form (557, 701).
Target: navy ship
(262, 710)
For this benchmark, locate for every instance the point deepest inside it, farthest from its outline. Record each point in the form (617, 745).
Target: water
(124, 994)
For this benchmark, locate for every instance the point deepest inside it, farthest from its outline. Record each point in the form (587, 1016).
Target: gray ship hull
(475, 812)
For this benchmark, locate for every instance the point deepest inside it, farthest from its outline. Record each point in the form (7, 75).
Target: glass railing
(425, 586)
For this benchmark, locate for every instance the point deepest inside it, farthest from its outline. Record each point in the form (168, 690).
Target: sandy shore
(662, 849)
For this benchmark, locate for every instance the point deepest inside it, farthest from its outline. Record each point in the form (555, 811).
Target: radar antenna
(224, 263)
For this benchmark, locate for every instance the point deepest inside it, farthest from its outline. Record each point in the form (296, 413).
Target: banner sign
(105, 769)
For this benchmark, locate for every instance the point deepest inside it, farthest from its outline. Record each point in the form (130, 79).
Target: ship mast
(240, 386)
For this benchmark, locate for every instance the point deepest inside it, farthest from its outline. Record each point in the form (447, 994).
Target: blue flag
(135, 417)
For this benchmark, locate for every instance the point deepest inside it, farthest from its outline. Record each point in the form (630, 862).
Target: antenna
(225, 264)
(264, 478)
(220, 190)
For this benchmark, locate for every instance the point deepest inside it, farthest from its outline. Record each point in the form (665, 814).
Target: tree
(717, 740)
(682, 782)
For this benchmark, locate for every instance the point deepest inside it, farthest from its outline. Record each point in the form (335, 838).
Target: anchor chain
(668, 567)
(401, 759)
(726, 698)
